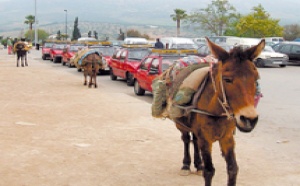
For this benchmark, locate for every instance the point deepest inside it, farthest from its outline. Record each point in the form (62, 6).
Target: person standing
(158, 44)
(9, 46)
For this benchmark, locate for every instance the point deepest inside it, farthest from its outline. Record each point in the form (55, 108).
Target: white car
(269, 57)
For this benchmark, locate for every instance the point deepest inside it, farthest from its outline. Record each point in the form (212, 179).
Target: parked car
(269, 57)
(291, 49)
(56, 52)
(204, 51)
(46, 50)
(156, 63)
(69, 52)
(107, 52)
(126, 60)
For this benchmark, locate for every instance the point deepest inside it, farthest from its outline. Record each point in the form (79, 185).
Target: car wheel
(129, 79)
(44, 57)
(63, 63)
(282, 66)
(54, 60)
(260, 63)
(137, 89)
(79, 69)
(112, 76)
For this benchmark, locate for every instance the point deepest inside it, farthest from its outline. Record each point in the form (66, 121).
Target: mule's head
(237, 74)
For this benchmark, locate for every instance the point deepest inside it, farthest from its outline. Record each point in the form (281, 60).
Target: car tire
(112, 76)
(44, 57)
(129, 79)
(79, 69)
(260, 63)
(137, 89)
(282, 66)
(63, 63)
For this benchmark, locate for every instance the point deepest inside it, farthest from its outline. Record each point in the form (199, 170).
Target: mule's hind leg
(227, 147)
(197, 158)
(95, 80)
(84, 75)
(25, 56)
(91, 81)
(185, 169)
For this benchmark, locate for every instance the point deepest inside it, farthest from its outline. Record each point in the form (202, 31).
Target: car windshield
(59, 47)
(268, 49)
(48, 45)
(168, 61)
(138, 54)
(75, 48)
(184, 46)
(105, 51)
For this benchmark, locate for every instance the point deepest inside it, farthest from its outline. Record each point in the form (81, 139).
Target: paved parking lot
(54, 131)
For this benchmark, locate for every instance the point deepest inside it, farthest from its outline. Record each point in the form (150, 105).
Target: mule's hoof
(198, 172)
(184, 172)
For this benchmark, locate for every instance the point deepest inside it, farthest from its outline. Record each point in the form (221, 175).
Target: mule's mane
(238, 53)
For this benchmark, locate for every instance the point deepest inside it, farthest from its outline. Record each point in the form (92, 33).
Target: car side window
(145, 63)
(295, 49)
(155, 64)
(285, 49)
(118, 54)
(123, 55)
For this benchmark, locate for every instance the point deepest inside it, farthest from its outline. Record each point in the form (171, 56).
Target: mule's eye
(228, 79)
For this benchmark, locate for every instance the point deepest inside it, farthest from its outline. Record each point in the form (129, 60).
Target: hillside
(110, 29)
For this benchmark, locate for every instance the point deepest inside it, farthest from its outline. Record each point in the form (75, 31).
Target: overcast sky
(137, 11)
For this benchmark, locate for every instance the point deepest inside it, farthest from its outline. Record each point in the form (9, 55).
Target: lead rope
(224, 104)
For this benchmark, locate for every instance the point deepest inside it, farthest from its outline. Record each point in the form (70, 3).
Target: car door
(122, 64)
(143, 72)
(115, 62)
(295, 53)
(152, 73)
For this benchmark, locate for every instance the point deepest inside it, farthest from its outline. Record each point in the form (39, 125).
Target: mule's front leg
(209, 170)
(85, 80)
(227, 147)
(197, 158)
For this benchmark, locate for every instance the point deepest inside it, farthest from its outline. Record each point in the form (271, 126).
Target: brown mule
(226, 102)
(91, 66)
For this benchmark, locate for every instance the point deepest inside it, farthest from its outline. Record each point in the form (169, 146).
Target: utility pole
(66, 24)
(35, 25)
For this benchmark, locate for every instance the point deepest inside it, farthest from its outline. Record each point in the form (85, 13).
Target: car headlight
(285, 56)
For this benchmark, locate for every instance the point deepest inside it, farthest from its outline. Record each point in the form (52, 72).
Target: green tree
(42, 34)
(291, 32)
(178, 16)
(215, 18)
(259, 24)
(76, 32)
(30, 19)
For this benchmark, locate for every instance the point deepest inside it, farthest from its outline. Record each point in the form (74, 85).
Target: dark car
(292, 49)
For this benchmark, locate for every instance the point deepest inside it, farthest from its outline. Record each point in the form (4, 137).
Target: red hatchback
(155, 64)
(56, 52)
(69, 52)
(126, 61)
(46, 50)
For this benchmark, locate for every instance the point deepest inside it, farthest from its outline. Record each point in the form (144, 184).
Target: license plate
(277, 62)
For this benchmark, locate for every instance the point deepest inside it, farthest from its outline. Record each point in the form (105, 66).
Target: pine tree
(76, 31)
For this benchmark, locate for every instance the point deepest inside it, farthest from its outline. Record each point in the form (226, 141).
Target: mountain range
(151, 13)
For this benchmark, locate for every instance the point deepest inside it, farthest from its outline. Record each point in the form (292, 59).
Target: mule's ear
(217, 51)
(254, 51)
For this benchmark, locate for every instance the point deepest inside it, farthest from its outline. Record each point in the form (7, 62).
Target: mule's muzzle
(246, 124)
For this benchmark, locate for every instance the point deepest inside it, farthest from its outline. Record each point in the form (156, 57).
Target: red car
(69, 52)
(46, 50)
(56, 52)
(126, 61)
(155, 64)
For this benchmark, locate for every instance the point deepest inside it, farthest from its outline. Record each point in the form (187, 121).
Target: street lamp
(66, 24)
(35, 25)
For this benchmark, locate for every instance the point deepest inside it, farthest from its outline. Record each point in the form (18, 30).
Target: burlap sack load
(177, 87)
(20, 45)
(78, 56)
